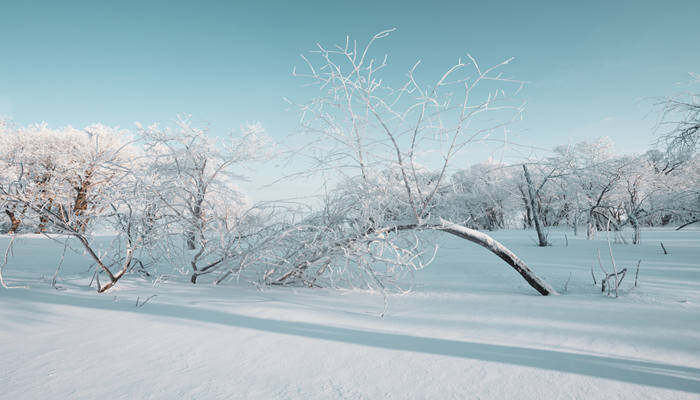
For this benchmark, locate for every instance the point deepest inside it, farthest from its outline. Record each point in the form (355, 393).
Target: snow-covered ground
(470, 328)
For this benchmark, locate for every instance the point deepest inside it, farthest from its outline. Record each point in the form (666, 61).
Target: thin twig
(145, 301)
(2, 267)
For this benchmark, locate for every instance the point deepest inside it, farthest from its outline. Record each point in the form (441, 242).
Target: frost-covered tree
(192, 174)
(679, 128)
(65, 169)
(679, 125)
(676, 198)
(7, 175)
(34, 152)
(638, 183)
(594, 173)
(76, 183)
(533, 199)
(395, 143)
(483, 196)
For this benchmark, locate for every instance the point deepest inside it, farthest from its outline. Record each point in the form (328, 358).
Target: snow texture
(469, 328)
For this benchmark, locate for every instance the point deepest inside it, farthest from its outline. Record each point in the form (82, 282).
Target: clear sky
(591, 64)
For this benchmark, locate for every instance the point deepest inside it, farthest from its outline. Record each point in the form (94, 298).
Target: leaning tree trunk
(501, 251)
(472, 235)
(687, 223)
(535, 212)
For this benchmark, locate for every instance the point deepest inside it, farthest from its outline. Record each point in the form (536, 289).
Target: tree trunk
(14, 222)
(80, 206)
(590, 231)
(197, 217)
(535, 212)
(501, 251)
(527, 218)
(665, 219)
(113, 278)
(637, 230)
(190, 240)
(43, 219)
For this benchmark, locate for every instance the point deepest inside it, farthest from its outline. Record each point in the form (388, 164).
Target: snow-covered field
(470, 328)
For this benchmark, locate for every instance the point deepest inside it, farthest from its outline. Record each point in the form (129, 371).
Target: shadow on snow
(626, 370)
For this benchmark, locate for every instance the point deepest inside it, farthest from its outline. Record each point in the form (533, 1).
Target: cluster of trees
(168, 194)
(152, 189)
(583, 184)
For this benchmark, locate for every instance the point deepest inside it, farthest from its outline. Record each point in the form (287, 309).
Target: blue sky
(591, 65)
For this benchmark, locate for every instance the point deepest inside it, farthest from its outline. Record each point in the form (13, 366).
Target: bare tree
(395, 146)
(192, 175)
(679, 125)
(483, 196)
(114, 206)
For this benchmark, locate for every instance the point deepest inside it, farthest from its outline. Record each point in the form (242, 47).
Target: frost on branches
(390, 152)
(70, 183)
(198, 215)
(396, 141)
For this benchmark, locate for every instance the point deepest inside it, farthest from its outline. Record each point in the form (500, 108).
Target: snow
(469, 328)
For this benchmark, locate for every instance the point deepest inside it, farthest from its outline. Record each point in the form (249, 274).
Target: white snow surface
(470, 328)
